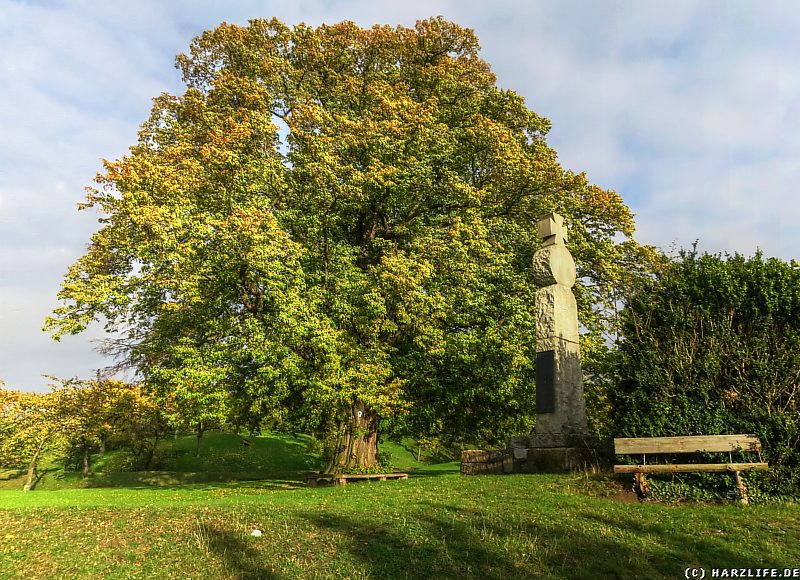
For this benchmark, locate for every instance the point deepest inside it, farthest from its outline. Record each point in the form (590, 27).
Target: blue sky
(690, 110)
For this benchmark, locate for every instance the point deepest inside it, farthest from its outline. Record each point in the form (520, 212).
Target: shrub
(711, 345)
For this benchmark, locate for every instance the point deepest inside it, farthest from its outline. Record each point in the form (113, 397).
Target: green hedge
(711, 345)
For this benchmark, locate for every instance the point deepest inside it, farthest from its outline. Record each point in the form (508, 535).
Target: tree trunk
(149, 454)
(356, 445)
(32, 469)
(102, 446)
(199, 436)
(85, 459)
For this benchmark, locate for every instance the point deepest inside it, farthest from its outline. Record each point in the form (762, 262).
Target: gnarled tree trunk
(356, 443)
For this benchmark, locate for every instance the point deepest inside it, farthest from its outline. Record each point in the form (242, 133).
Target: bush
(385, 461)
(127, 460)
(712, 346)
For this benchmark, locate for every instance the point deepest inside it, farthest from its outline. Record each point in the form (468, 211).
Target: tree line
(707, 344)
(76, 420)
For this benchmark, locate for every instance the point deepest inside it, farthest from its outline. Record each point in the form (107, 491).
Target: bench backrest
(688, 444)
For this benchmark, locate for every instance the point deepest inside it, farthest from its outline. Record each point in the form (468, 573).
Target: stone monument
(560, 440)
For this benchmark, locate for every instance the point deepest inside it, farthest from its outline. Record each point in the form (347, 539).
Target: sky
(689, 109)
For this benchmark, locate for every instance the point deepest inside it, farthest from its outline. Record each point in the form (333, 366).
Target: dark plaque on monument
(545, 382)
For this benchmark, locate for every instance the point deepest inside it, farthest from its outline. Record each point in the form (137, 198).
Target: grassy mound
(223, 458)
(221, 452)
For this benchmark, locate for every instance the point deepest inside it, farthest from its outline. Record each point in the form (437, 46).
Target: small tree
(141, 423)
(190, 393)
(101, 411)
(32, 425)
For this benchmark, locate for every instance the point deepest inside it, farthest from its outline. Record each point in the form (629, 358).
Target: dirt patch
(617, 490)
(624, 497)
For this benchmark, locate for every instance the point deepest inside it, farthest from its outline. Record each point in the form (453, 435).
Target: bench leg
(641, 487)
(742, 488)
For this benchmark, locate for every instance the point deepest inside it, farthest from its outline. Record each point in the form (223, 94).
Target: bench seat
(342, 478)
(691, 467)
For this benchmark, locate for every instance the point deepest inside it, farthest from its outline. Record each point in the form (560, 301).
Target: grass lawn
(426, 527)
(439, 526)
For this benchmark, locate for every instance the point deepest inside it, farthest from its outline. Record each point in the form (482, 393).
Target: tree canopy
(333, 226)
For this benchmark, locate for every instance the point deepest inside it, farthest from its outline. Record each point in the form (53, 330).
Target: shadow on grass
(11, 474)
(55, 479)
(473, 544)
(239, 557)
(452, 468)
(37, 477)
(17, 479)
(182, 480)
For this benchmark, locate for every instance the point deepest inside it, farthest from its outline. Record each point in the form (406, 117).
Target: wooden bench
(690, 444)
(314, 477)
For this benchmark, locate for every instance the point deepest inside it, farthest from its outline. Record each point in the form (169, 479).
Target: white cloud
(26, 353)
(686, 110)
(690, 109)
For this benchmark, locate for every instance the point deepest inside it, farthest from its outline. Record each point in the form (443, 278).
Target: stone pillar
(560, 441)
(560, 408)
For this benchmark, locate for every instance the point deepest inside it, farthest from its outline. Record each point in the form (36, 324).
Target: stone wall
(478, 461)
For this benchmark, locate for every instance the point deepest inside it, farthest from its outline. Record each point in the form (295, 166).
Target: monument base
(521, 457)
(548, 440)
(554, 459)
(553, 453)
